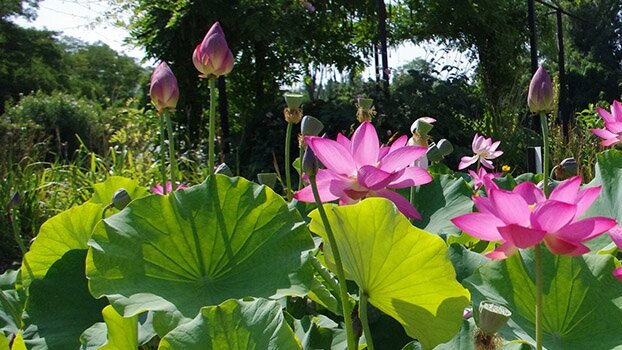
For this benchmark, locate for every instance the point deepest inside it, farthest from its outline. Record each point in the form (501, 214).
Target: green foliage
(224, 238)
(235, 324)
(393, 263)
(67, 120)
(581, 299)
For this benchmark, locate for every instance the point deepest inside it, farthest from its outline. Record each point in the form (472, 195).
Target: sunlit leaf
(582, 299)
(233, 325)
(404, 270)
(226, 238)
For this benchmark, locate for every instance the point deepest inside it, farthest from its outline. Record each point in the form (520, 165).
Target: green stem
(363, 316)
(341, 276)
(539, 311)
(162, 153)
(545, 152)
(300, 154)
(288, 139)
(20, 242)
(212, 125)
(171, 149)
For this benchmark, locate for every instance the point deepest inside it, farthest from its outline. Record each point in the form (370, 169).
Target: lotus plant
(612, 132)
(213, 59)
(164, 95)
(482, 177)
(484, 150)
(357, 168)
(524, 217)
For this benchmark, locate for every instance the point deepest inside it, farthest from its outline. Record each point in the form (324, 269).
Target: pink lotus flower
(523, 217)
(482, 178)
(616, 236)
(212, 56)
(612, 132)
(484, 150)
(158, 189)
(540, 96)
(360, 168)
(163, 90)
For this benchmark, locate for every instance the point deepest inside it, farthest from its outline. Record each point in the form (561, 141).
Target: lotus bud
(492, 317)
(121, 199)
(268, 179)
(434, 154)
(540, 97)
(365, 109)
(311, 126)
(310, 163)
(163, 90)
(224, 170)
(445, 147)
(212, 56)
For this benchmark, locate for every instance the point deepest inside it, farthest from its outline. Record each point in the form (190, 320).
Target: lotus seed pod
(268, 179)
(365, 103)
(293, 101)
(422, 126)
(223, 169)
(434, 154)
(569, 167)
(311, 126)
(121, 199)
(445, 147)
(492, 317)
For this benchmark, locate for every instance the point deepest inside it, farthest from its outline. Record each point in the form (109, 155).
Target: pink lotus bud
(540, 97)
(164, 91)
(212, 56)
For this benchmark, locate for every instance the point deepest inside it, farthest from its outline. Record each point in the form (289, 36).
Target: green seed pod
(434, 154)
(445, 147)
(311, 126)
(121, 199)
(224, 170)
(492, 317)
(268, 179)
(293, 101)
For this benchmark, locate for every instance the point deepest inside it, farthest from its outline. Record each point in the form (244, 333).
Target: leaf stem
(162, 153)
(212, 125)
(545, 152)
(328, 279)
(363, 316)
(171, 149)
(341, 276)
(288, 180)
(539, 311)
(301, 153)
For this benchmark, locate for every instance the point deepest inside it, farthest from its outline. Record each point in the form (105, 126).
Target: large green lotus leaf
(440, 201)
(582, 299)
(66, 231)
(103, 191)
(235, 324)
(403, 269)
(118, 332)
(319, 332)
(465, 262)
(608, 174)
(226, 238)
(60, 307)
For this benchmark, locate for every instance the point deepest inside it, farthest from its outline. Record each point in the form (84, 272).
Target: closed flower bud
(163, 90)
(311, 126)
(310, 163)
(492, 317)
(212, 56)
(223, 169)
(268, 179)
(121, 199)
(540, 97)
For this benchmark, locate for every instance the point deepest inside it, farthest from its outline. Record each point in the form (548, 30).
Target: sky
(82, 19)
